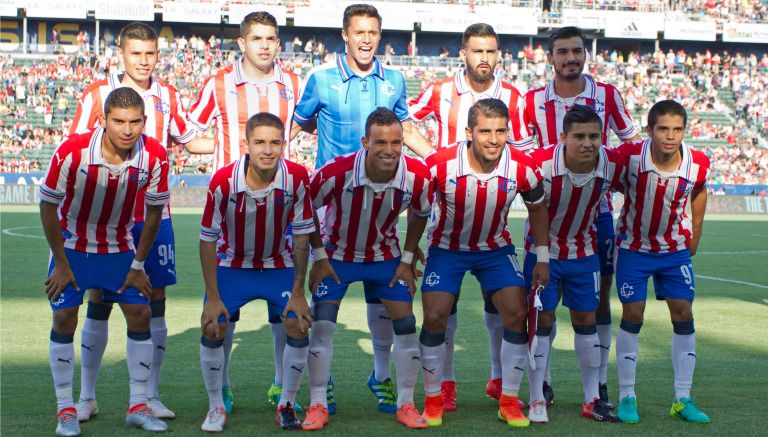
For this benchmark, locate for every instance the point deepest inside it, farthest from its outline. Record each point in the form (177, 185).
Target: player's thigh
(512, 307)
(445, 271)
(633, 269)
(497, 269)
(376, 278)
(328, 290)
(674, 277)
(580, 283)
(237, 287)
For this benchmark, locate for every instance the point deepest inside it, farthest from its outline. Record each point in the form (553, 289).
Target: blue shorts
(237, 287)
(606, 242)
(672, 275)
(579, 280)
(96, 270)
(375, 277)
(494, 269)
(160, 264)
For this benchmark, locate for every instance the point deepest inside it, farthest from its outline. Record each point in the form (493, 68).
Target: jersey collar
(589, 92)
(360, 178)
(683, 171)
(503, 168)
(115, 81)
(559, 168)
(96, 157)
(463, 87)
(346, 71)
(238, 176)
(240, 78)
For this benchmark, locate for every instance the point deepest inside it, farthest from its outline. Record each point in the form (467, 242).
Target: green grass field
(730, 380)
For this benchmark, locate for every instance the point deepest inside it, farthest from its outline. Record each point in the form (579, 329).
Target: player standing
(255, 196)
(166, 120)
(656, 239)
(340, 96)
(87, 204)
(364, 194)
(578, 172)
(253, 84)
(476, 181)
(448, 102)
(544, 111)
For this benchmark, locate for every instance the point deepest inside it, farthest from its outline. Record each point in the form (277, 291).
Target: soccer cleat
(538, 412)
(159, 410)
(329, 399)
(409, 416)
(68, 423)
(603, 392)
(214, 420)
(549, 394)
(493, 388)
(317, 418)
(627, 411)
(86, 408)
(286, 417)
(433, 410)
(598, 411)
(509, 411)
(687, 410)
(448, 390)
(139, 416)
(273, 396)
(384, 392)
(229, 399)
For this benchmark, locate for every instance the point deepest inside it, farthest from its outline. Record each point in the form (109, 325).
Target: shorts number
(686, 270)
(609, 247)
(165, 252)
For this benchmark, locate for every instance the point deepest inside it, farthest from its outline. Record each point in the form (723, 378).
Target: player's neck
(359, 69)
(139, 86)
(480, 165)
(569, 88)
(579, 168)
(111, 154)
(378, 176)
(477, 87)
(255, 73)
(258, 179)
(666, 162)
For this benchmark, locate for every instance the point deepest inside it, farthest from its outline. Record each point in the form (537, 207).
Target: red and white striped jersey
(653, 217)
(448, 101)
(470, 210)
(360, 222)
(166, 118)
(96, 200)
(544, 111)
(573, 205)
(250, 225)
(231, 99)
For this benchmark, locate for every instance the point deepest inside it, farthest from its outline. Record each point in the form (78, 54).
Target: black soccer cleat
(603, 391)
(549, 394)
(286, 417)
(598, 411)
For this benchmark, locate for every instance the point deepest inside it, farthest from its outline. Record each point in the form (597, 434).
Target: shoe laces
(215, 413)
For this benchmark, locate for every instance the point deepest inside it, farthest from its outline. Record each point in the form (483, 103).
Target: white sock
(683, 363)
(548, 376)
(320, 356)
(139, 357)
(588, 353)
(536, 377)
(93, 341)
(514, 358)
(495, 334)
(62, 359)
(159, 330)
(604, 333)
(432, 359)
(229, 338)
(407, 362)
(450, 345)
(380, 326)
(278, 347)
(626, 362)
(294, 362)
(212, 365)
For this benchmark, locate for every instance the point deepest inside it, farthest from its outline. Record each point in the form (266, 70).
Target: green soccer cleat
(687, 410)
(330, 400)
(229, 400)
(385, 394)
(273, 397)
(627, 411)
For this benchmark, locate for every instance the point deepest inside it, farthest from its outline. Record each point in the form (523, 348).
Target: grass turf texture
(729, 380)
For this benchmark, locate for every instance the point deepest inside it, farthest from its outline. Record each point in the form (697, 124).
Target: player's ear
(365, 142)
(463, 55)
(102, 120)
(562, 137)
(241, 43)
(468, 132)
(549, 57)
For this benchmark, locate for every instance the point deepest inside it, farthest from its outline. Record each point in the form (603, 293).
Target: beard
(478, 77)
(570, 75)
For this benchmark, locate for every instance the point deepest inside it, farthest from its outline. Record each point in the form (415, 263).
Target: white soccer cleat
(538, 412)
(159, 410)
(214, 420)
(142, 418)
(86, 409)
(67, 425)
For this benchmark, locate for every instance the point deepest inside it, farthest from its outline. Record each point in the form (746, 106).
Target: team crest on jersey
(402, 197)
(387, 88)
(286, 94)
(685, 187)
(599, 107)
(605, 186)
(507, 185)
(162, 107)
(282, 198)
(139, 177)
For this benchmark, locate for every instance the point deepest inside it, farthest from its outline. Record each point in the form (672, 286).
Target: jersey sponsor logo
(626, 290)
(432, 280)
(162, 107)
(387, 88)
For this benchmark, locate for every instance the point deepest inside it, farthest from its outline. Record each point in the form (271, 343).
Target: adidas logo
(631, 28)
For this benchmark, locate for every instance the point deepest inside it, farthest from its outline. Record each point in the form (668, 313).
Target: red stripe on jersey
(478, 216)
(71, 179)
(453, 115)
(125, 215)
(458, 221)
(259, 240)
(554, 202)
(106, 212)
(370, 239)
(642, 183)
(277, 238)
(442, 181)
(353, 227)
(86, 203)
(551, 125)
(501, 199)
(240, 218)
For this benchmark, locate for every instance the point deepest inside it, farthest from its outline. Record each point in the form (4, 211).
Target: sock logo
(430, 371)
(416, 358)
(691, 354)
(162, 348)
(88, 348)
(215, 369)
(65, 360)
(143, 364)
(520, 369)
(298, 369)
(315, 354)
(603, 347)
(538, 356)
(630, 358)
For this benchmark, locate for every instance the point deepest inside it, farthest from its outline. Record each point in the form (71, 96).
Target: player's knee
(515, 336)
(158, 293)
(62, 338)
(630, 326)
(211, 343)
(209, 331)
(137, 317)
(488, 305)
(65, 321)
(683, 328)
(544, 331)
(430, 338)
(546, 319)
(434, 320)
(157, 307)
(98, 311)
(633, 311)
(583, 318)
(681, 310)
(404, 326)
(94, 295)
(584, 329)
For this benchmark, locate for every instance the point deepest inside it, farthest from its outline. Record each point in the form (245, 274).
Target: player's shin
(139, 357)
(432, 346)
(93, 343)
(212, 366)
(279, 339)
(407, 358)
(540, 354)
(294, 362)
(450, 345)
(495, 330)
(604, 334)
(514, 356)
(62, 359)
(587, 347)
(380, 326)
(626, 356)
(321, 351)
(683, 357)
(159, 330)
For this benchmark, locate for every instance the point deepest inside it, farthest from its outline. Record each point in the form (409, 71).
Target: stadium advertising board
(394, 15)
(57, 8)
(690, 30)
(192, 12)
(637, 27)
(448, 18)
(134, 10)
(745, 32)
(8, 8)
(238, 11)
(584, 18)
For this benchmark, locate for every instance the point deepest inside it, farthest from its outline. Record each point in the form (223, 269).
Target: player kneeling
(577, 173)
(250, 203)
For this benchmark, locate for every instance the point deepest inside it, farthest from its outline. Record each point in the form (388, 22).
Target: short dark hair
(565, 33)
(666, 107)
(136, 30)
(580, 114)
(479, 30)
(260, 17)
(358, 10)
(489, 108)
(123, 98)
(263, 119)
(380, 117)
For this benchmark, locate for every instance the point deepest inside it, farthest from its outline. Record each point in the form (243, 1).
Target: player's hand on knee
(58, 280)
(541, 273)
(320, 270)
(298, 305)
(418, 256)
(139, 280)
(404, 273)
(209, 321)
